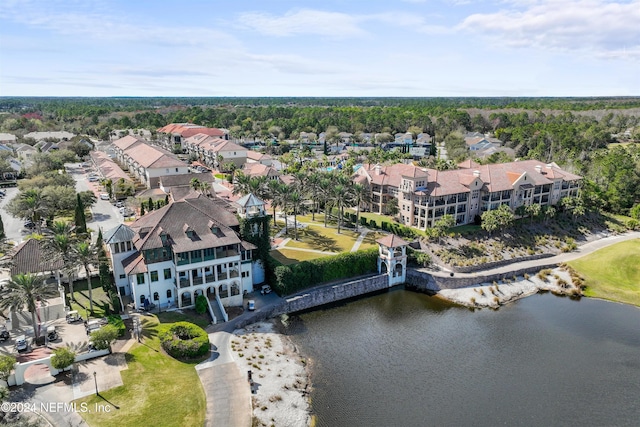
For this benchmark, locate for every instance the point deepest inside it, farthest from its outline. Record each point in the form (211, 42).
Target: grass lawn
(323, 239)
(612, 273)
(158, 390)
(291, 256)
(81, 298)
(370, 240)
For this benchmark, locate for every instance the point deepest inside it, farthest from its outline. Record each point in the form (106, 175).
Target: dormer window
(213, 227)
(163, 238)
(188, 231)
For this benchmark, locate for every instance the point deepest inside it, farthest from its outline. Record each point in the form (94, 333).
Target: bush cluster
(185, 340)
(293, 278)
(118, 323)
(392, 227)
(201, 304)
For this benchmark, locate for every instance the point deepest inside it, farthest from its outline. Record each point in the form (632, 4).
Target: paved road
(105, 215)
(13, 227)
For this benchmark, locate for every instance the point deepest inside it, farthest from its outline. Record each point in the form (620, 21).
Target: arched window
(142, 298)
(235, 289)
(168, 293)
(156, 297)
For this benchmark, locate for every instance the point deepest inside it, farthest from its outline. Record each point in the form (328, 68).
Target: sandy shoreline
(280, 379)
(558, 280)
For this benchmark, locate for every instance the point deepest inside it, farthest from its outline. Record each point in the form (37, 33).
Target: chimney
(476, 173)
(539, 169)
(377, 169)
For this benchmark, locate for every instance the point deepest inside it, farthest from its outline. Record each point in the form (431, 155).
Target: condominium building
(425, 195)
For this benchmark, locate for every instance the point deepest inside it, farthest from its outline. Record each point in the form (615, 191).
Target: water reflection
(402, 358)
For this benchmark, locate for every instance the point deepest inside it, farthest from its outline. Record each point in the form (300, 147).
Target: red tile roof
(187, 130)
(392, 241)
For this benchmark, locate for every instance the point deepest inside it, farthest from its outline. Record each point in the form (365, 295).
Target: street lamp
(95, 379)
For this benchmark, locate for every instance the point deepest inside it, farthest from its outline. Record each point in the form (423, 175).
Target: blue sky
(320, 48)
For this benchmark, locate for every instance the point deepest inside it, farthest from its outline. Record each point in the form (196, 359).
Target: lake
(406, 359)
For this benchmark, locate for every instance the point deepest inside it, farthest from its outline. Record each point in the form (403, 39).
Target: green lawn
(81, 298)
(370, 240)
(612, 273)
(292, 256)
(158, 390)
(323, 239)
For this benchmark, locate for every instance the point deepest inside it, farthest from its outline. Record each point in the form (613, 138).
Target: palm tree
(58, 247)
(276, 189)
(35, 206)
(340, 195)
(326, 193)
(194, 184)
(241, 183)
(23, 290)
(85, 254)
(313, 191)
(296, 204)
(361, 195)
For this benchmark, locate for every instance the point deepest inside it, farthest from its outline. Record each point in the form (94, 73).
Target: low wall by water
(496, 264)
(423, 281)
(319, 296)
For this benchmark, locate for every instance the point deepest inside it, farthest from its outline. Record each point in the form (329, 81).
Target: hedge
(293, 278)
(185, 340)
(201, 304)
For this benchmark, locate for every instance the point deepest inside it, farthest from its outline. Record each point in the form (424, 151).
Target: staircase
(219, 317)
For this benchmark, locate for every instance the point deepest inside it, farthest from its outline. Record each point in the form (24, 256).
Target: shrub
(103, 337)
(185, 340)
(62, 357)
(117, 322)
(201, 304)
(292, 278)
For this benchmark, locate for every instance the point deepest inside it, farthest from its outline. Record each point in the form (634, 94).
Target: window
(128, 246)
(142, 298)
(154, 276)
(167, 273)
(140, 278)
(176, 169)
(156, 297)
(168, 293)
(122, 276)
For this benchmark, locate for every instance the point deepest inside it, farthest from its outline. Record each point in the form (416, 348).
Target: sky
(404, 48)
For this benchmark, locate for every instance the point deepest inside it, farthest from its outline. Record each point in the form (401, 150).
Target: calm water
(406, 359)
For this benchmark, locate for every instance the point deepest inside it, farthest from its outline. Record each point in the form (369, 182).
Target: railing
(184, 283)
(209, 278)
(222, 275)
(197, 280)
(234, 273)
(224, 313)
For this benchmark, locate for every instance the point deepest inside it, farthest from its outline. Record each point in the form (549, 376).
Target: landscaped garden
(101, 303)
(292, 256)
(612, 273)
(158, 389)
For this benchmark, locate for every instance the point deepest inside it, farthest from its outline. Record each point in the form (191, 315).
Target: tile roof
(249, 200)
(29, 257)
(196, 213)
(258, 169)
(127, 141)
(134, 264)
(153, 157)
(392, 241)
(495, 177)
(187, 130)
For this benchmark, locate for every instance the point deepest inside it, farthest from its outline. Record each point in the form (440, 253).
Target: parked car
(251, 305)
(29, 224)
(266, 289)
(21, 344)
(4, 334)
(93, 179)
(104, 196)
(119, 204)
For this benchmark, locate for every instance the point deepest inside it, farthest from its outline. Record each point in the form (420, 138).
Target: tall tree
(2, 233)
(57, 246)
(26, 291)
(296, 204)
(81, 221)
(361, 194)
(85, 254)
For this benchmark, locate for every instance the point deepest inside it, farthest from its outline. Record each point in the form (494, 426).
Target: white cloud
(593, 27)
(330, 24)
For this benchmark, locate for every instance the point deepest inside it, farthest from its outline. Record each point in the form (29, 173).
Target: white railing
(224, 313)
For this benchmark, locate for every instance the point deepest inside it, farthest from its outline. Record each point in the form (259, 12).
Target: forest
(594, 137)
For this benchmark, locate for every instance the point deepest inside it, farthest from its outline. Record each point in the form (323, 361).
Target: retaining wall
(423, 281)
(496, 264)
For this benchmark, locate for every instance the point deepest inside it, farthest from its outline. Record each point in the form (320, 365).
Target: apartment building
(425, 195)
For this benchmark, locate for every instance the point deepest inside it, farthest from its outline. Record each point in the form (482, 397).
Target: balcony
(222, 275)
(234, 273)
(197, 280)
(208, 278)
(184, 283)
(439, 202)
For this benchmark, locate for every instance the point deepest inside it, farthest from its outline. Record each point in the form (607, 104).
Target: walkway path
(226, 389)
(581, 251)
(359, 240)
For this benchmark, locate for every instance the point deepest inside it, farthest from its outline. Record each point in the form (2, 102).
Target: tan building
(426, 195)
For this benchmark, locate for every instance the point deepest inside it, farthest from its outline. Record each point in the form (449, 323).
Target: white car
(93, 179)
(104, 196)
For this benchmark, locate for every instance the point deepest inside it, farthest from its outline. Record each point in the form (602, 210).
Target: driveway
(13, 227)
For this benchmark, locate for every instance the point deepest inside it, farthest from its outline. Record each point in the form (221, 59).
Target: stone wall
(332, 293)
(425, 282)
(495, 264)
